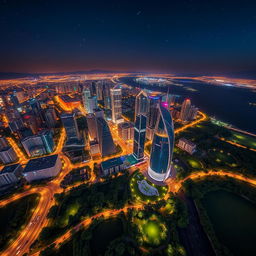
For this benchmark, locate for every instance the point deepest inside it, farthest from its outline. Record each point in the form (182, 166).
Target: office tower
(185, 108)
(172, 100)
(106, 97)
(8, 155)
(16, 125)
(92, 126)
(70, 125)
(162, 146)
(152, 115)
(50, 117)
(38, 145)
(141, 104)
(3, 143)
(31, 122)
(92, 104)
(37, 111)
(98, 112)
(116, 104)
(86, 95)
(99, 90)
(125, 130)
(106, 143)
(139, 136)
(92, 88)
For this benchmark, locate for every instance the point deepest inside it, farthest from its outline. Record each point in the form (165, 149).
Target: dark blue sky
(173, 36)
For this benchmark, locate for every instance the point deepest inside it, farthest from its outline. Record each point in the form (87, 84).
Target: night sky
(154, 36)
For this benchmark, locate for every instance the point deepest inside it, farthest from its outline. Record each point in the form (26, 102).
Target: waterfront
(228, 104)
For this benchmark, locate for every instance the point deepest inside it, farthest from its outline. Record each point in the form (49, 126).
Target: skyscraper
(152, 115)
(141, 104)
(107, 146)
(92, 126)
(139, 136)
(185, 108)
(116, 104)
(106, 97)
(85, 97)
(70, 125)
(92, 104)
(162, 146)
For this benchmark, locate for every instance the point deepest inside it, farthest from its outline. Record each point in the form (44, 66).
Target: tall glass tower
(139, 136)
(116, 104)
(141, 104)
(162, 146)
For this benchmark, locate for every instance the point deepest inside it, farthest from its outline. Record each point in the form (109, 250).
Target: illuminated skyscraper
(184, 113)
(116, 104)
(86, 95)
(162, 146)
(92, 104)
(141, 104)
(152, 115)
(139, 136)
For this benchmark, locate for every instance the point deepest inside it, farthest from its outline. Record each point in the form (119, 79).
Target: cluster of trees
(92, 199)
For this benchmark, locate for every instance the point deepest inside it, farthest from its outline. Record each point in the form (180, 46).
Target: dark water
(228, 104)
(234, 221)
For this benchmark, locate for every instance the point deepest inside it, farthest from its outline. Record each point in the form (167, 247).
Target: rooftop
(111, 163)
(9, 168)
(41, 163)
(67, 98)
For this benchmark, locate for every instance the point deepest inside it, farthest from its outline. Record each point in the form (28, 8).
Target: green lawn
(222, 157)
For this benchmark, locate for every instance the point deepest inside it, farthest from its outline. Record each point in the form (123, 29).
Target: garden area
(144, 190)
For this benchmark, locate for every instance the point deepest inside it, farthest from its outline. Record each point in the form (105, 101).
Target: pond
(234, 221)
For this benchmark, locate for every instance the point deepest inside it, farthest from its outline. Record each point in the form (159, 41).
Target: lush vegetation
(82, 202)
(15, 216)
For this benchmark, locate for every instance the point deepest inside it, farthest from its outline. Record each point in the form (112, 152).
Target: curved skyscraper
(162, 146)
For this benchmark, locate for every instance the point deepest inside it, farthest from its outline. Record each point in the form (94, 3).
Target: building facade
(162, 146)
(116, 104)
(70, 125)
(139, 136)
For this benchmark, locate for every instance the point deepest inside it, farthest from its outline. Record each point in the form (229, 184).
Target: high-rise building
(31, 122)
(36, 110)
(141, 104)
(154, 101)
(116, 104)
(106, 143)
(50, 117)
(92, 104)
(10, 174)
(185, 108)
(126, 130)
(106, 96)
(86, 95)
(162, 146)
(99, 90)
(16, 124)
(38, 145)
(192, 113)
(70, 125)
(139, 136)
(8, 155)
(92, 126)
